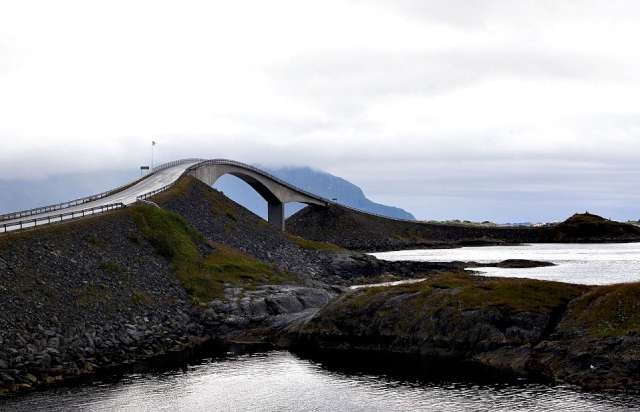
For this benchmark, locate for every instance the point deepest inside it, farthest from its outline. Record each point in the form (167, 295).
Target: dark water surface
(281, 381)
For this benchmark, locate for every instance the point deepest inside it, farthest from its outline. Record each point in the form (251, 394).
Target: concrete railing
(45, 220)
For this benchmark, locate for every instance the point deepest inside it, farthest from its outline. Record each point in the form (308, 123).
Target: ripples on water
(281, 381)
(591, 264)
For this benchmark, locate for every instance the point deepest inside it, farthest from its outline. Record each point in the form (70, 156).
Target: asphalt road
(128, 196)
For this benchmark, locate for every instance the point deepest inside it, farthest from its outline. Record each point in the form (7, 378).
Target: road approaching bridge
(275, 191)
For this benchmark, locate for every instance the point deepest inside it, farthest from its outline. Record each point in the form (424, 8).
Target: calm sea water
(281, 381)
(592, 264)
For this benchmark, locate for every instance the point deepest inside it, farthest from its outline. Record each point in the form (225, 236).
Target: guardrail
(87, 199)
(175, 163)
(64, 205)
(45, 220)
(147, 195)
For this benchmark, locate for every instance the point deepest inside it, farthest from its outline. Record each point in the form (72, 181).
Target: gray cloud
(335, 77)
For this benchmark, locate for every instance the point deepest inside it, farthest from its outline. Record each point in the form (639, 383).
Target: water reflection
(282, 381)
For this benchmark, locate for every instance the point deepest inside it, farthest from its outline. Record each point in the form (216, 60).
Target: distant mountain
(25, 194)
(334, 187)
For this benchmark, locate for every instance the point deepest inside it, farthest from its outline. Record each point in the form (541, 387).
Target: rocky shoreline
(145, 283)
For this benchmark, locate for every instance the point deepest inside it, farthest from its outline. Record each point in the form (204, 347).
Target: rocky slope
(85, 295)
(358, 231)
(144, 281)
(222, 220)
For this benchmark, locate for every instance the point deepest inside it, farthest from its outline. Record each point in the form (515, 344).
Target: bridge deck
(127, 196)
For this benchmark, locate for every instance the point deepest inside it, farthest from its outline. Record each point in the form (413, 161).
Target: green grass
(204, 277)
(312, 244)
(91, 295)
(141, 298)
(519, 295)
(111, 268)
(228, 266)
(465, 292)
(612, 310)
(403, 308)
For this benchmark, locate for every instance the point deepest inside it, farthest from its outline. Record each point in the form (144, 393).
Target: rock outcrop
(586, 336)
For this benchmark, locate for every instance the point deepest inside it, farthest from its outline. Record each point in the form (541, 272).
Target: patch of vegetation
(612, 310)
(169, 233)
(111, 268)
(229, 213)
(520, 295)
(226, 265)
(92, 240)
(465, 292)
(204, 277)
(141, 298)
(91, 294)
(133, 238)
(312, 244)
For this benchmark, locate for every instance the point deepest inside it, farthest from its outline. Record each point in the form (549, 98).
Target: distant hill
(330, 186)
(357, 231)
(28, 193)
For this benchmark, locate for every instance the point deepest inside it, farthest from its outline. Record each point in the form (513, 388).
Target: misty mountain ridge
(333, 187)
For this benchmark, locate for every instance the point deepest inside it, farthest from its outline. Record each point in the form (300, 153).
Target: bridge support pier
(276, 214)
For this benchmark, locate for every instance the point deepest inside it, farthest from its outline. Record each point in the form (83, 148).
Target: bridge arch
(275, 191)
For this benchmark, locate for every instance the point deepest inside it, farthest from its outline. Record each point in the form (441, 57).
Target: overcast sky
(501, 110)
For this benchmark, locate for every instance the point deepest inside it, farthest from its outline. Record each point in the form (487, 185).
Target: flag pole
(153, 143)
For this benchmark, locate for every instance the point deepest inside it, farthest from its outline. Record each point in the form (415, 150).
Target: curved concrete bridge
(275, 191)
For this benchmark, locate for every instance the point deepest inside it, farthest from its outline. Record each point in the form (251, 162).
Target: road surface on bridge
(154, 181)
